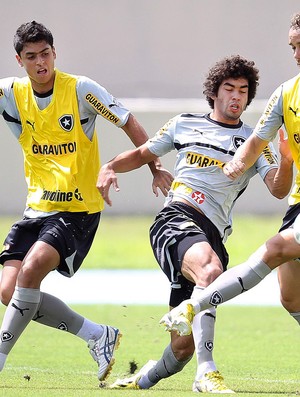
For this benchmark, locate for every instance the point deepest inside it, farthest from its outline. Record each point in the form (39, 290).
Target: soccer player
(281, 250)
(53, 114)
(188, 234)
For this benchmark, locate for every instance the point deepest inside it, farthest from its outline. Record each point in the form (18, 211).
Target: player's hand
(234, 168)
(106, 178)
(283, 146)
(162, 179)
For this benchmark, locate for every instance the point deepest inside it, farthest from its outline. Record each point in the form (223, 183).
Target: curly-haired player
(187, 235)
(281, 251)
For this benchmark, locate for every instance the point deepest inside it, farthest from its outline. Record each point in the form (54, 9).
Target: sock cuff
(30, 295)
(296, 314)
(259, 267)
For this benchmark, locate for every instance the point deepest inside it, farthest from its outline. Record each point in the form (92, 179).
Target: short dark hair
(31, 32)
(295, 22)
(234, 67)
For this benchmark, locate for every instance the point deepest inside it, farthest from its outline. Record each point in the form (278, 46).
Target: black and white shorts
(175, 229)
(70, 233)
(290, 216)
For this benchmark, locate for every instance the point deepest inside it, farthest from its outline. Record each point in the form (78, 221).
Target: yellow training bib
(61, 163)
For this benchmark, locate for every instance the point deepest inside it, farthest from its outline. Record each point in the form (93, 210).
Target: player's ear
(19, 60)
(54, 52)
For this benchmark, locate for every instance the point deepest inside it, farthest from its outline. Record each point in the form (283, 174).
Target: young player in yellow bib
(188, 234)
(53, 114)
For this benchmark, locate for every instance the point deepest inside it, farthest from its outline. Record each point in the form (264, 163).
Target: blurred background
(153, 55)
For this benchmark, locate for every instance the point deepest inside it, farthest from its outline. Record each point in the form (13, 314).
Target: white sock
(296, 316)
(90, 330)
(203, 332)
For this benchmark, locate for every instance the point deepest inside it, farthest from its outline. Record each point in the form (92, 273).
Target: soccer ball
(297, 229)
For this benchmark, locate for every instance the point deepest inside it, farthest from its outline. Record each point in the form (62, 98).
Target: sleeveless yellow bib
(291, 114)
(61, 163)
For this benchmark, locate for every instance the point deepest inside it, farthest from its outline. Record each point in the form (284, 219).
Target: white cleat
(102, 350)
(132, 382)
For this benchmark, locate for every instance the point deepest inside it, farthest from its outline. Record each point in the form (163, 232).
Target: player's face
(230, 101)
(294, 42)
(38, 61)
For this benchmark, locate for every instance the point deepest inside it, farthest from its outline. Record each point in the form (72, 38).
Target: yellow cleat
(126, 383)
(212, 382)
(132, 382)
(180, 318)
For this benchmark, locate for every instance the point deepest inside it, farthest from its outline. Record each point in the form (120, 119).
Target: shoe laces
(217, 379)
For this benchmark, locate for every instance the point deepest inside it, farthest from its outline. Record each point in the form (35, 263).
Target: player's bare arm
(245, 157)
(279, 182)
(124, 162)
(162, 178)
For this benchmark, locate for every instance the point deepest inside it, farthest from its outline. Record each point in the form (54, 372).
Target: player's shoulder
(191, 115)
(8, 82)
(246, 129)
(86, 85)
(6, 88)
(187, 118)
(85, 81)
(289, 84)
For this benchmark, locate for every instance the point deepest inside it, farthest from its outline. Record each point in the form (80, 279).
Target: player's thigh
(41, 259)
(201, 264)
(9, 276)
(289, 283)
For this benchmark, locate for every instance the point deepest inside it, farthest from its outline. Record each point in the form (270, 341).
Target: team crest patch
(63, 326)
(209, 345)
(238, 141)
(66, 122)
(6, 336)
(216, 298)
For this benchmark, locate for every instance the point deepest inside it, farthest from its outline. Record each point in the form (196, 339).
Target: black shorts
(70, 233)
(290, 216)
(176, 228)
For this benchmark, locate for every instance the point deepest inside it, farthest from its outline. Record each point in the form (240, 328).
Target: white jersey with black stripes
(203, 147)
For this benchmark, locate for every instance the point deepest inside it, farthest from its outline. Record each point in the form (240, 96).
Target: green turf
(256, 349)
(123, 242)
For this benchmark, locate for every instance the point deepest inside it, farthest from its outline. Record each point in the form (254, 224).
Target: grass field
(257, 349)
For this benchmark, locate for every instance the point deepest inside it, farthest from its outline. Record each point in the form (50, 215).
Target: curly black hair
(234, 67)
(31, 32)
(295, 22)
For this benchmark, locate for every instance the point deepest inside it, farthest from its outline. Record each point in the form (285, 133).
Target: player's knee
(5, 296)
(275, 251)
(208, 274)
(290, 302)
(215, 272)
